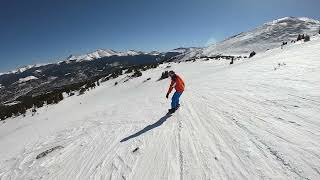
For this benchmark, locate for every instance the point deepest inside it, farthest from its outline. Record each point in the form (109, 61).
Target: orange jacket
(177, 83)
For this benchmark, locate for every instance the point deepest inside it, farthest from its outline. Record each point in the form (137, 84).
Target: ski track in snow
(180, 148)
(245, 121)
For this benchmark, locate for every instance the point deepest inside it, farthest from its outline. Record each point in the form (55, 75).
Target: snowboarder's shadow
(148, 128)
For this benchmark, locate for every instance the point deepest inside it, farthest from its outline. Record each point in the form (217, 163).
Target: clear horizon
(37, 32)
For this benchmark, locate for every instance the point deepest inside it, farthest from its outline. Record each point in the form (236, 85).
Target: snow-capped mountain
(186, 53)
(93, 55)
(268, 36)
(23, 69)
(154, 53)
(100, 53)
(184, 50)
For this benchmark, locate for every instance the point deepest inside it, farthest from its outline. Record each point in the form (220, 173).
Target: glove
(167, 96)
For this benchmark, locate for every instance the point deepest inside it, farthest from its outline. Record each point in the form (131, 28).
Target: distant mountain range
(43, 77)
(100, 53)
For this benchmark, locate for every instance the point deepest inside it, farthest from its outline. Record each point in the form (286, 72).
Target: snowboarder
(178, 84)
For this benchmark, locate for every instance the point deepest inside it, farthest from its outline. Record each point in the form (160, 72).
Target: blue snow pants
(175, 99)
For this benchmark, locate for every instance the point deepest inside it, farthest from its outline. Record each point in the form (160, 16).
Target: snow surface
(26, 79)
(251, 120)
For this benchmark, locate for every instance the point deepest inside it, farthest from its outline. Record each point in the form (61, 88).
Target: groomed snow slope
(245, 121)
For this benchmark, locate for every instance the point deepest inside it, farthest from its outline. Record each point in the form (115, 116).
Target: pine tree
(231, 62)
(60, 96)
(137, 73)
(306, 38)
(299, 37)
(252, 54)
(82, 90)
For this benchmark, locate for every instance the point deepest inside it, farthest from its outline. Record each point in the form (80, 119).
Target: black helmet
(171, 73)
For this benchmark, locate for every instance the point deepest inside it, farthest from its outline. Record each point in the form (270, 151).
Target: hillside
(255, 119)
(267, 36)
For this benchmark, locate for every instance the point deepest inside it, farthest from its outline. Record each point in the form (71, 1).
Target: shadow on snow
(148, 128)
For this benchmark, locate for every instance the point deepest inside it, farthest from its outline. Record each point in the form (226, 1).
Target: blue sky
(41, 31)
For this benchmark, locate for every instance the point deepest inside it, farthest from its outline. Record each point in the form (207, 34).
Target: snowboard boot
(172, 110)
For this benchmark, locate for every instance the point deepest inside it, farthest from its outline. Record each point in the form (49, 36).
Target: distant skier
(178, 84)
